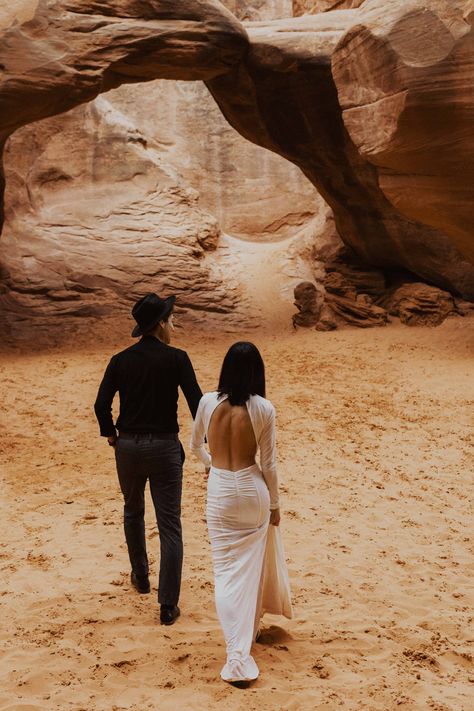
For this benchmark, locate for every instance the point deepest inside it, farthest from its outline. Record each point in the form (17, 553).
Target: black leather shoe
(169, 614)
(140, 583)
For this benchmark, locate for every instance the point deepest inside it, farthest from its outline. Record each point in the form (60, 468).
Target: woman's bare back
(231, 437)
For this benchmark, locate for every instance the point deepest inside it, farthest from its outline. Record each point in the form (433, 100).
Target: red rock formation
(95, 218)
(86, 158)
(404, 78)
(283, 96)
(348, 296)
(280, 93)
(72, 50)
(420, 304)
(253, 193)
(259, 9)
(309, 302)
(356, 312)
(311, 7)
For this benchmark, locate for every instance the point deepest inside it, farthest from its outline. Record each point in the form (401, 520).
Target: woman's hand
(275, 517)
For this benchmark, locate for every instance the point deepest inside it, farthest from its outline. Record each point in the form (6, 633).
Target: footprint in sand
(273, 635)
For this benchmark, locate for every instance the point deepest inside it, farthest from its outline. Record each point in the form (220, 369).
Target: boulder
(358, 312)
(420, 304)
(348, 303)
(309, 302)
(361, 278)
(327, 319)
(336, 283)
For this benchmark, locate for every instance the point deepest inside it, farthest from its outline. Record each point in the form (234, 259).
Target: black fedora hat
(149, 311)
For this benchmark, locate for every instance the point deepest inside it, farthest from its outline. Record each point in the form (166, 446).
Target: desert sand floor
(375, 434)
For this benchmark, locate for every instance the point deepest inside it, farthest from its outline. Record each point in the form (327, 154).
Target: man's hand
(206, 472)
(112, 440)
(275, 517)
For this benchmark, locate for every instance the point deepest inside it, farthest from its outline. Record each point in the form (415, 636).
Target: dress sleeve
(268, 458)
(198, 436)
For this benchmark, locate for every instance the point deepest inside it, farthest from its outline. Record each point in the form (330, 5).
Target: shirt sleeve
(268, 458)
(103, 403)
(188, 383)
(198, 437)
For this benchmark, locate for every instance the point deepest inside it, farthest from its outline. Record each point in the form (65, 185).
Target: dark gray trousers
(141, 458)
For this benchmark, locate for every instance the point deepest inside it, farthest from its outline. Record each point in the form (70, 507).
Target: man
(146, 376)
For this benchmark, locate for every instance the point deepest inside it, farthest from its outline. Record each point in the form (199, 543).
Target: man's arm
(103, 403)
(188, 383)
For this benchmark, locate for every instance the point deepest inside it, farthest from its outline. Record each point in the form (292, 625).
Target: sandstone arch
(281, 85)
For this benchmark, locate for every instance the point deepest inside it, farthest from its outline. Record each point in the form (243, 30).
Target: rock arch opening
(282, 84)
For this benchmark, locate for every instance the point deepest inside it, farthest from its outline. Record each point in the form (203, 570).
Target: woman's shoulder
(262, 403)
(210, 397)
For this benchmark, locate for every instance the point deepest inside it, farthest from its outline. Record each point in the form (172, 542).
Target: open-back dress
(250, 571)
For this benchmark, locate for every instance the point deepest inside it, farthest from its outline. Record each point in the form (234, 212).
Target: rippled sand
(376, 461)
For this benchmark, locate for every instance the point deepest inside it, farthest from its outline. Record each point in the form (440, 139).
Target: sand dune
(375, 434)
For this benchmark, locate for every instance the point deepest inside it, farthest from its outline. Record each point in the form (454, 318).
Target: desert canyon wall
(371, 101)
(311, 7)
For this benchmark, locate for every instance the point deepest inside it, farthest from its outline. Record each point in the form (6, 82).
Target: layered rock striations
(405, 84)
(288, 100)
(138, 153)
(73, 50)
(259, 9)
(356, 98)
(253, 193)
(312, 7)
(95, 219)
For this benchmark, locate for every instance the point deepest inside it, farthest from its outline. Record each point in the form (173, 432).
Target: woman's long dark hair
(242, 373)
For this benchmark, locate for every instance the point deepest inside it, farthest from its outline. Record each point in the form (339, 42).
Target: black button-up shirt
(146, 376)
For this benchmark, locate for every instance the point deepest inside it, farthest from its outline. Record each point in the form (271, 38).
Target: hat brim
(167, 309)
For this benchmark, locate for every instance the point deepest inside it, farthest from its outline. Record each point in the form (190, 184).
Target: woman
(249, 566)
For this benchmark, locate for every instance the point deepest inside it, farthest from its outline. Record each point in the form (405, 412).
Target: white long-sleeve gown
(250, 572)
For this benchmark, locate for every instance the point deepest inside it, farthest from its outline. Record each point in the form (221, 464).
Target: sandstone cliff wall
(373, 104)
(260, 9)
(252, 192)
(65, 251)
(300, 7)
(96, 218)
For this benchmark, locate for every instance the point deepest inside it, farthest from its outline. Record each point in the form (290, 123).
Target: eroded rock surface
(339, 303)
(300, 7)
(396, 68)
(298, 114)
(309, 302)
(95, 219)
(253, 193)
(351, 294)
(420, 304)
(404, 77)
(259, 9)
(359, 312)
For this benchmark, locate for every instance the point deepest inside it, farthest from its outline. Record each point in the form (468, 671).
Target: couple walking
(242, 505)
